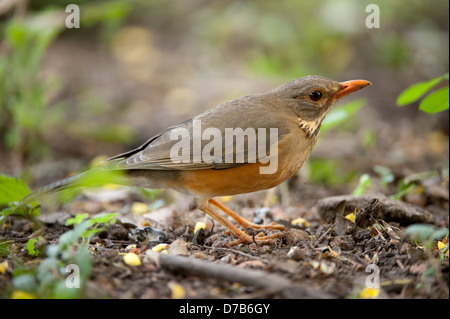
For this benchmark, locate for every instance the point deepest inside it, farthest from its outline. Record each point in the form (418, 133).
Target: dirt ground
(323, 257)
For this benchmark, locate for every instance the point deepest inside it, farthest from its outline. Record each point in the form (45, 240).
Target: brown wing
(243, 113)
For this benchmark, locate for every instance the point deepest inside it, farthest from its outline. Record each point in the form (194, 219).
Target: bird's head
(312, 97)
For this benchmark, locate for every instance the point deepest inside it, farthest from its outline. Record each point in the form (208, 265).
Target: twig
(229, 250)
(190, 266)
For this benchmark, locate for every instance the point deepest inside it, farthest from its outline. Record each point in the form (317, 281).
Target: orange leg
(242, 221)
(241, 235)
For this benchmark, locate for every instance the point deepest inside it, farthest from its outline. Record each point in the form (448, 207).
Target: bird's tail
(91, 178)
(60, 185)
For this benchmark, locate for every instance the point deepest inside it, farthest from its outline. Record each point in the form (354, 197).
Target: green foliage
(364, 183)
(12, 189)
(91, 223)
(24, 112)
(15, 209)
(406, 184)
(434, 102)
(109, 14)
(425, 234)
(295, 38)
(403, 186)
(77, 219)
(33, 246)
(48, 280)
(328, 172)
(28, 112)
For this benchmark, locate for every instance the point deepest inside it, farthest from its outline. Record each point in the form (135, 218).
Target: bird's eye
(315, 95)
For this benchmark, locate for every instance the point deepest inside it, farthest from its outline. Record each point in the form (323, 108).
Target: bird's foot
(259, 239)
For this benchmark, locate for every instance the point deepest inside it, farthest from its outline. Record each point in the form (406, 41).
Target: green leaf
(403, 188)
(436, 101)
(12, 189)
(364, 183)
(106, 219)
(328, 172)
(416, 91)
(77, 219)
(341, 114)
(71, 237)
(30, 247)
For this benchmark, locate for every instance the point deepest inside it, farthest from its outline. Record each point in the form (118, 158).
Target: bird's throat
(311, 128)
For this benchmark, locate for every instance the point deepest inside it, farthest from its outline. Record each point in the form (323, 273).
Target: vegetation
(434, 102)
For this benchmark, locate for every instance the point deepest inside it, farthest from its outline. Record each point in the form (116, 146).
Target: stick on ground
(190, 266)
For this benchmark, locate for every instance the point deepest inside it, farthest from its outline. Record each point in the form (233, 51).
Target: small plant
(48, 280)
(92, 223)
(12, 190)
(425, 234)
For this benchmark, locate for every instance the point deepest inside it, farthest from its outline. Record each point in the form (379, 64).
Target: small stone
(294, 235)
(295, 253)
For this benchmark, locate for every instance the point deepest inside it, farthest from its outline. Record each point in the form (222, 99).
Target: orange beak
(351, 86)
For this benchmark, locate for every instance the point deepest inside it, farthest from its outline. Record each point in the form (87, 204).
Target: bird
(247, 144)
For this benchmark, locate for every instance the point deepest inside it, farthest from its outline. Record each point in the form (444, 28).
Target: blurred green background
(135, 67)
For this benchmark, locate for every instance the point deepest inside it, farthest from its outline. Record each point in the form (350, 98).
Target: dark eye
(315, 95)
